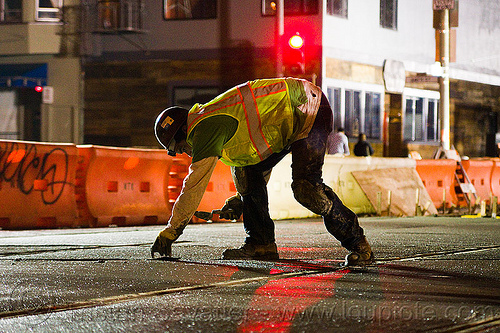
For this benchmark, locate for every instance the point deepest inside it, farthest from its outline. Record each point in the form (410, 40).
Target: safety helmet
(168, 127)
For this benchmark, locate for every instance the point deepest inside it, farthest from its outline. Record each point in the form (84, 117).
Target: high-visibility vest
(265, 120)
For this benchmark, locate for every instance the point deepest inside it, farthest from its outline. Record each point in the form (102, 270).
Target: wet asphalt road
(438, 274)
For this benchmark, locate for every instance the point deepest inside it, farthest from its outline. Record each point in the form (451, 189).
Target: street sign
(421, 78)
(443, 4)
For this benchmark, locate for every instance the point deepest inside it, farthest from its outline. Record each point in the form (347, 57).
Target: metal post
(280, 31)
(389, 202)
(444, 82)
(379, 203)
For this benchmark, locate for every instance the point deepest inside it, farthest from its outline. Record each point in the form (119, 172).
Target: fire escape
(123, 18)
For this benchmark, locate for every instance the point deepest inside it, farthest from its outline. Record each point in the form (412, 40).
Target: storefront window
(421, 123)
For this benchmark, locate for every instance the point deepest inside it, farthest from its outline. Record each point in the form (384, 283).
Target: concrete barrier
(337, 175)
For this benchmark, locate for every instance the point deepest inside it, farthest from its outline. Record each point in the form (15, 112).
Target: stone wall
(474, 110)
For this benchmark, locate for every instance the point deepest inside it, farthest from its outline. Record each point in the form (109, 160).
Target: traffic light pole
(280, 31)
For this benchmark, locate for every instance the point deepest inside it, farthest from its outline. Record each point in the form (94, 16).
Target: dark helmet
(168, 127)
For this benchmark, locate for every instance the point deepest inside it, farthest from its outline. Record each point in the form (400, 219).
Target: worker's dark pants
(307, 185)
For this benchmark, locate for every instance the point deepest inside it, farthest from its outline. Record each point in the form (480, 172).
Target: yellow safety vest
(265, 120)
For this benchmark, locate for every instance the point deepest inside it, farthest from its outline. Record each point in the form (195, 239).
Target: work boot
(251, 251)
(361, 254)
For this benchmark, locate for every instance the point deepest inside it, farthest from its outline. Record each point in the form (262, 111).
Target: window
(432, 123)
(189, 9)
(335, 102)
(120, 15)
(357, 107)
(11, 11)
(48, 10)
(188, 96)
(372, 127)
(352, 112)
(389, 14)
(292, 7)
(337, 7)
(421, 120)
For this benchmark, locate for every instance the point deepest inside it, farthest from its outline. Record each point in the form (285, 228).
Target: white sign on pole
(48, 95)
(394, 76)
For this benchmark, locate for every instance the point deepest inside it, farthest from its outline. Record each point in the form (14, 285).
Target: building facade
(39, 49)
(112, 65)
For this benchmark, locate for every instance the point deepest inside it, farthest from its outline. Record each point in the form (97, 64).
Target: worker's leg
(259, 226)
(308, 188)
(251, 184)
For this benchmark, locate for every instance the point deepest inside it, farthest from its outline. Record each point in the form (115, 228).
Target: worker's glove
(232, 209)
(162, 245)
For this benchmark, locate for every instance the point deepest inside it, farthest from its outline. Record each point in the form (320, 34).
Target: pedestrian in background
(363, 147)
(338, 143)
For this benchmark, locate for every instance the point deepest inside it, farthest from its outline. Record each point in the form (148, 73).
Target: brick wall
(122, 99)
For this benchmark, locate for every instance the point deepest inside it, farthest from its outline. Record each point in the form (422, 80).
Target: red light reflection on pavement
(275, 304)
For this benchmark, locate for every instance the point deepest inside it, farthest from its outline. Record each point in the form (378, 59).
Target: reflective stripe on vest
(253, 120)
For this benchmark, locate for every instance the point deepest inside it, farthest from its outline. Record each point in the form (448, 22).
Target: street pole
(444, 81)
(280, 31)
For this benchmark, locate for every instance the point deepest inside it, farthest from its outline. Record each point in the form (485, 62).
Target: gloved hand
(232, 209)
(163, 246)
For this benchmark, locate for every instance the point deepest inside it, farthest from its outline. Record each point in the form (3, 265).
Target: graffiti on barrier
(24, 168)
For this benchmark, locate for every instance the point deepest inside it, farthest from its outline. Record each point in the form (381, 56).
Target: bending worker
(251, 127)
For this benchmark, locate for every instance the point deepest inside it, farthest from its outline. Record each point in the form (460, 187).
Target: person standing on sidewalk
(251, 127)
(338, 143)
(363, 147)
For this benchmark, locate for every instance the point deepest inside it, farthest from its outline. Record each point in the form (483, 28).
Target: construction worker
(251, 127)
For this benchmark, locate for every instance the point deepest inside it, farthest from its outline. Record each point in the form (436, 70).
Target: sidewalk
(437, 274)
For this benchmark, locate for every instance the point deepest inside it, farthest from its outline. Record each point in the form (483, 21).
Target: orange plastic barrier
(125, 186)
(220, 187)
(495, 177)
(438, 177)
(37, 183)
(63, 185)
(479, 172)
(178, 171)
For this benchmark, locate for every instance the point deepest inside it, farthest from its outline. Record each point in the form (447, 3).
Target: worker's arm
(208, 140)
(193, 188)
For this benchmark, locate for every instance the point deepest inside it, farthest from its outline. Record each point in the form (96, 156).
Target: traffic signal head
(296, 41)
(293, 57)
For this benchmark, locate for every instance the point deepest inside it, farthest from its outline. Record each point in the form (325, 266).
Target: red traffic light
(296, 41)
(293, 56)
(39, 89)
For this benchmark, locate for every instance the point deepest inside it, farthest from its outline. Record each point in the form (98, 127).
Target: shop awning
(23, 75)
